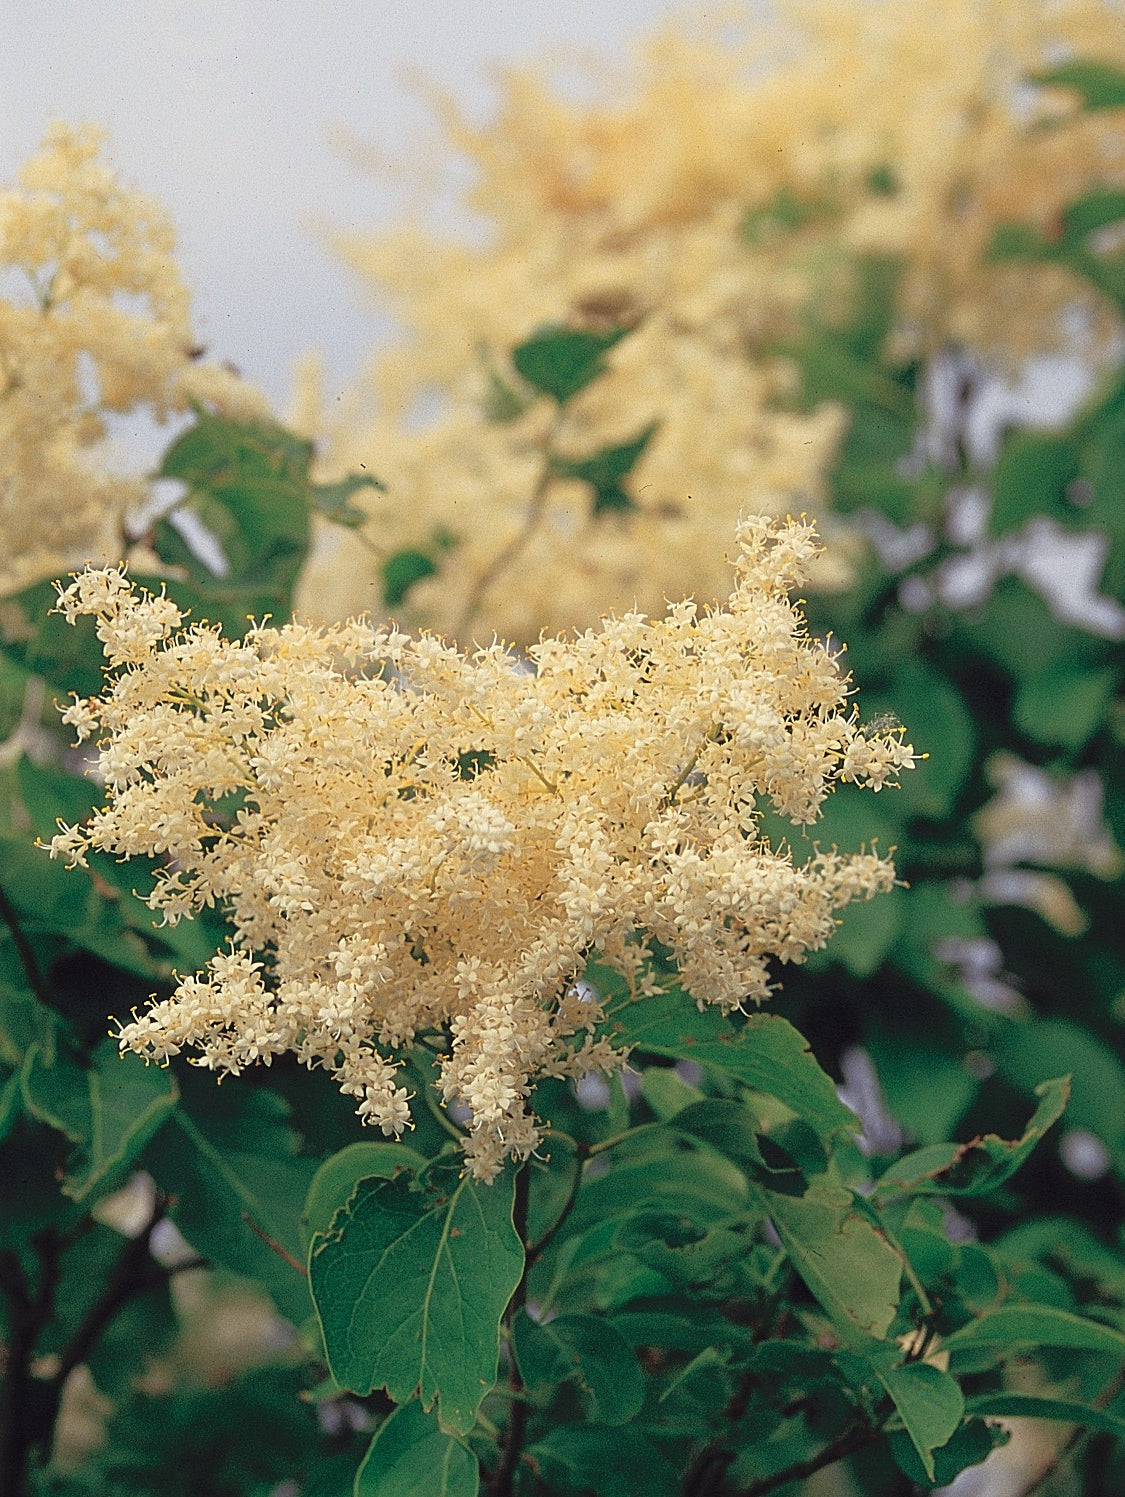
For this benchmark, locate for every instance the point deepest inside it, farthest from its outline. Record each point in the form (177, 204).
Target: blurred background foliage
(154, 1227)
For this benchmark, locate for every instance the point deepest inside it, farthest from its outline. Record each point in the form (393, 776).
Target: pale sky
(223, 110)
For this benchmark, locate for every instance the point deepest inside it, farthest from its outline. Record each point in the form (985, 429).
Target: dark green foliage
(605, 471)
(401, 571)
(1098, 84)
(412, 1454)
(334, 500)
(561, 362)
(249, 488)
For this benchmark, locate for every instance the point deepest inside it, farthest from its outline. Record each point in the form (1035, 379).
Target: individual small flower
(410, 838)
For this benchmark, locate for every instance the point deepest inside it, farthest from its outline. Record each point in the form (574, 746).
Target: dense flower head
(716, 195)
(93, 320)
(411, 838)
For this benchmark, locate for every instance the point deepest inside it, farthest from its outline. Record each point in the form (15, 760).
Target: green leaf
(1018, 242)
(975, 1168)
(846, 1262)
(559, 361)
(554, 1184)
(410, 1283)
(42, 891)
(591, 1271)
(1099, 84)
(110, 1109)
(854, 1272)
(585, 1350)
(334, 500)
(929, 1403)
(218, 450)
(605, 470)
(883, 181)
(1022, 1327)
(665, 1093)
(712, 1265)
(785, 213)
(925, 1082)
(686, 1327)
(703, 1365)
(249, 488)
(11, 1103)
(1069, 1245)
(852, 1269)
(42, 643)
(763, 1051)
(939, 722)
(833, 370)
(1027, 1054)
(971, 1443)
(867, 929)
(1065, 705)
(105, 889)
(1020, 635)
(866, 935)
(731, 1128)
(49, 794)
(501, 403)
(584, 1458)
(401, 571)
(14, 686)
(1026, 1406)
(24, 1023)
(657, 1171)
(1096, 210)
(1032, 477)
(338, 1176)
(228, 1156)
(411, 1456)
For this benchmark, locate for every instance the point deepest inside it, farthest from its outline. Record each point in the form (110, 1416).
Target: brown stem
(134, 1273)
(500, 1484)
(275, 1246)
(854, 1438)
(507, 554)
(536, 1251)
(30, 1404)
(26, 1418)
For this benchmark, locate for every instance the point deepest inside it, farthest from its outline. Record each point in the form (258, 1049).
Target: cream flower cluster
(93, 320)
(410, 839)
(714, 196)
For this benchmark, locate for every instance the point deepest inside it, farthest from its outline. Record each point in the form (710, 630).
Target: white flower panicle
(94, 320)
(714, 194)
(410, 839)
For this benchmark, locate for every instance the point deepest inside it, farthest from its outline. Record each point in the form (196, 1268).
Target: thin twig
(274, 1246)
(854, 1438)
(25, 1424)
(27, 958)
(536, 1251)
(1103, 1400)
(134, 1274)
(590, 1150)
(507, 554)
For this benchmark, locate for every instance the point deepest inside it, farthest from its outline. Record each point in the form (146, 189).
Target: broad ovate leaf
(410, 1282)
